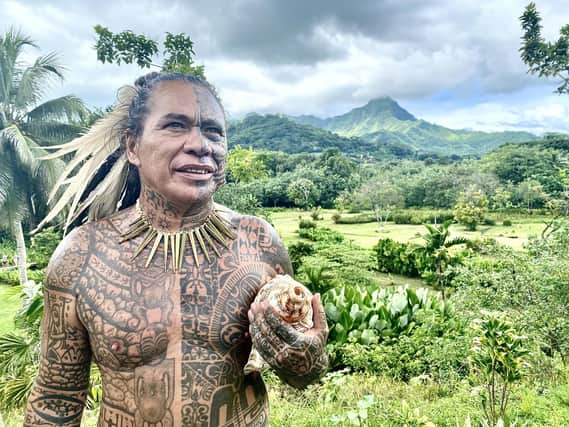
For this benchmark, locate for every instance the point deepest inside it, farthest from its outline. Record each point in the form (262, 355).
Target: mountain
(280, 133)
(384, 121)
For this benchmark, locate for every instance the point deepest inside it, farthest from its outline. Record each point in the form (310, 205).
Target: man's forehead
(185, 95)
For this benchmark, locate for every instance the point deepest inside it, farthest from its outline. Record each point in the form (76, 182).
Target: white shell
(292, 301)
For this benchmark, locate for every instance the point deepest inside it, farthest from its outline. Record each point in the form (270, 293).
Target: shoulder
(261, 238)
(68, 259)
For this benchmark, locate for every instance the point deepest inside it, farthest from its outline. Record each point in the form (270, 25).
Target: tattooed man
(159, 293)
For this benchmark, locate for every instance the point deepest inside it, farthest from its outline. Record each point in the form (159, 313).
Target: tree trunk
(21, 252)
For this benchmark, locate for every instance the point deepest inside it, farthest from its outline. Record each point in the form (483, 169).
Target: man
(159, 294)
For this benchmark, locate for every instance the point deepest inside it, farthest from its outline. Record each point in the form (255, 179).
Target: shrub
(43, 245)
(336, 216)
(402, 217)
(422, 217)
(321, 234)
(507, 223)
(297, 251)
(305, 224)
(436, 348)
(397, 258)
(356, 219)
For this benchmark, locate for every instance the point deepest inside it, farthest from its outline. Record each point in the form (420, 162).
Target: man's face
(182, 151)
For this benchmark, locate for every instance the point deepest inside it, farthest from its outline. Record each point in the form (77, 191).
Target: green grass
(9, 305)
(396, 403)
(367, 235)
(413, 404)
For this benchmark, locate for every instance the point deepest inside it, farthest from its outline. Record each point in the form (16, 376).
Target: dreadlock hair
(99, 179)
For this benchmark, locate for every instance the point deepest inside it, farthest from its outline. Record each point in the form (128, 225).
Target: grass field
(367, 235)
(9, 305)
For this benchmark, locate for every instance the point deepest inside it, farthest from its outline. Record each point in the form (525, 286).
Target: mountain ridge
(382, 119)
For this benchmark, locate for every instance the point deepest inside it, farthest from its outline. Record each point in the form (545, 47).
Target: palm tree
(26, 125)
(437, 245)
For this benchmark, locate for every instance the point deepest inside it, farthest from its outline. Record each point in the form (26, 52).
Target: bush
(507, 223)
(9, 277)
(321, 234)
(397, 258)
(402, 333)
(402, 217)
(356, 219)
(43, 245)
(305, 224)
(436, 348)
(336, 216)
(488, 221)
(298, 250)
(414, 217)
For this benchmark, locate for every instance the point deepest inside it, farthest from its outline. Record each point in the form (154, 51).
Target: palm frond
(65, 108)
(18, 143)
(11, 45)
(49, 133)
(456, 241)
(15, 389)
(6, 178)
(35, 80)
(17, 351)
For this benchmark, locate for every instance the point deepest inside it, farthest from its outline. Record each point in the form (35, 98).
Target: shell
(293, 302)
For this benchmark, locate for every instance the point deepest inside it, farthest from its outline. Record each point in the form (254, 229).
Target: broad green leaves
(357, 314)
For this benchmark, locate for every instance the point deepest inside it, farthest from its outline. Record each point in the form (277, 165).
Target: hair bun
(142, 81)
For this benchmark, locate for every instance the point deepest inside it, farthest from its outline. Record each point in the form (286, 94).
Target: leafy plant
(357, 314)
(498, 356)
(437, 248)
(317, 278)
(470, 209)
(358, 416)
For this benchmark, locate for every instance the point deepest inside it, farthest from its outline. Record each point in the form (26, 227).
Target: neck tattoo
(215, 229)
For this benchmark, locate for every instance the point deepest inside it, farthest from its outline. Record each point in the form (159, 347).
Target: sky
(451, 62)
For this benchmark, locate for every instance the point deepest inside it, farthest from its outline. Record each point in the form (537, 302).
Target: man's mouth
(196, 169)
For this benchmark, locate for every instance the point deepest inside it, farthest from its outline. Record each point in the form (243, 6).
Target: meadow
(423, 376)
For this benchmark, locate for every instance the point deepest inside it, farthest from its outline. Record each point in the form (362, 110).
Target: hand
(298, 358)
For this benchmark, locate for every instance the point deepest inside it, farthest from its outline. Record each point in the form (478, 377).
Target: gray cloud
(321, 56)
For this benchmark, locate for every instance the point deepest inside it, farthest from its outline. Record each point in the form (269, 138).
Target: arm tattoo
(59, 392)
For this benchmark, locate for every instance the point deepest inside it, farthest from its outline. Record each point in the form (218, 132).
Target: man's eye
(213, 130)
(175, 125)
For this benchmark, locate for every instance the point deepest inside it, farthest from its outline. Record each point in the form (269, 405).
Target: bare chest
(136, 315)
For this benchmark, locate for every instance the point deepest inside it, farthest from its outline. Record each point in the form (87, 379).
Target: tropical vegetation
(26, 124)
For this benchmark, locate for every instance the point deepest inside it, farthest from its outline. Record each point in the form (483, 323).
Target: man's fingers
(319, 316)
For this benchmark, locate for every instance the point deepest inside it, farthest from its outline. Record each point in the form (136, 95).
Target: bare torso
(171, 346)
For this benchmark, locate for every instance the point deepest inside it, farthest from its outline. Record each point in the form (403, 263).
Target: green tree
(530, 193)
(244, 165)
(303, 192)
(382, 197)
(470, 208)
(543, 58)
(128, 47)
(498, 356)
(438, 242)
(25, 126)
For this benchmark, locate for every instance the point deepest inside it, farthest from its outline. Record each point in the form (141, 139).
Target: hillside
(280, 133)
(384, 121)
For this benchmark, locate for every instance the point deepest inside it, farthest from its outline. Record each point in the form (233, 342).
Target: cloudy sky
(452, 62)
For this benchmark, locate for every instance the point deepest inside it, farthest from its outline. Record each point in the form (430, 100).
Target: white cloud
(322, 57)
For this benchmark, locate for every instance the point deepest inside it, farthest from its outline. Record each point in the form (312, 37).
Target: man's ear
(132, 150)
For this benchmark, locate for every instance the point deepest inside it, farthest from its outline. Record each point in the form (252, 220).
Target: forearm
(54, 406)
(304, 372)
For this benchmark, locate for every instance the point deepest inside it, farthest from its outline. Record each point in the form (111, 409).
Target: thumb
(319, 316)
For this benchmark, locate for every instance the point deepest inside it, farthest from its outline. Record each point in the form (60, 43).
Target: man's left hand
(298, 358)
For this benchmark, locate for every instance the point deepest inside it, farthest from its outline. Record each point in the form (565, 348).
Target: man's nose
(197, 143)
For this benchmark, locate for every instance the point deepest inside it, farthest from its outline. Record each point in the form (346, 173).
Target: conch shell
(292, 301)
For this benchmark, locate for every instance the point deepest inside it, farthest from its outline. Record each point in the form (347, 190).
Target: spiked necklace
(215, 229)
